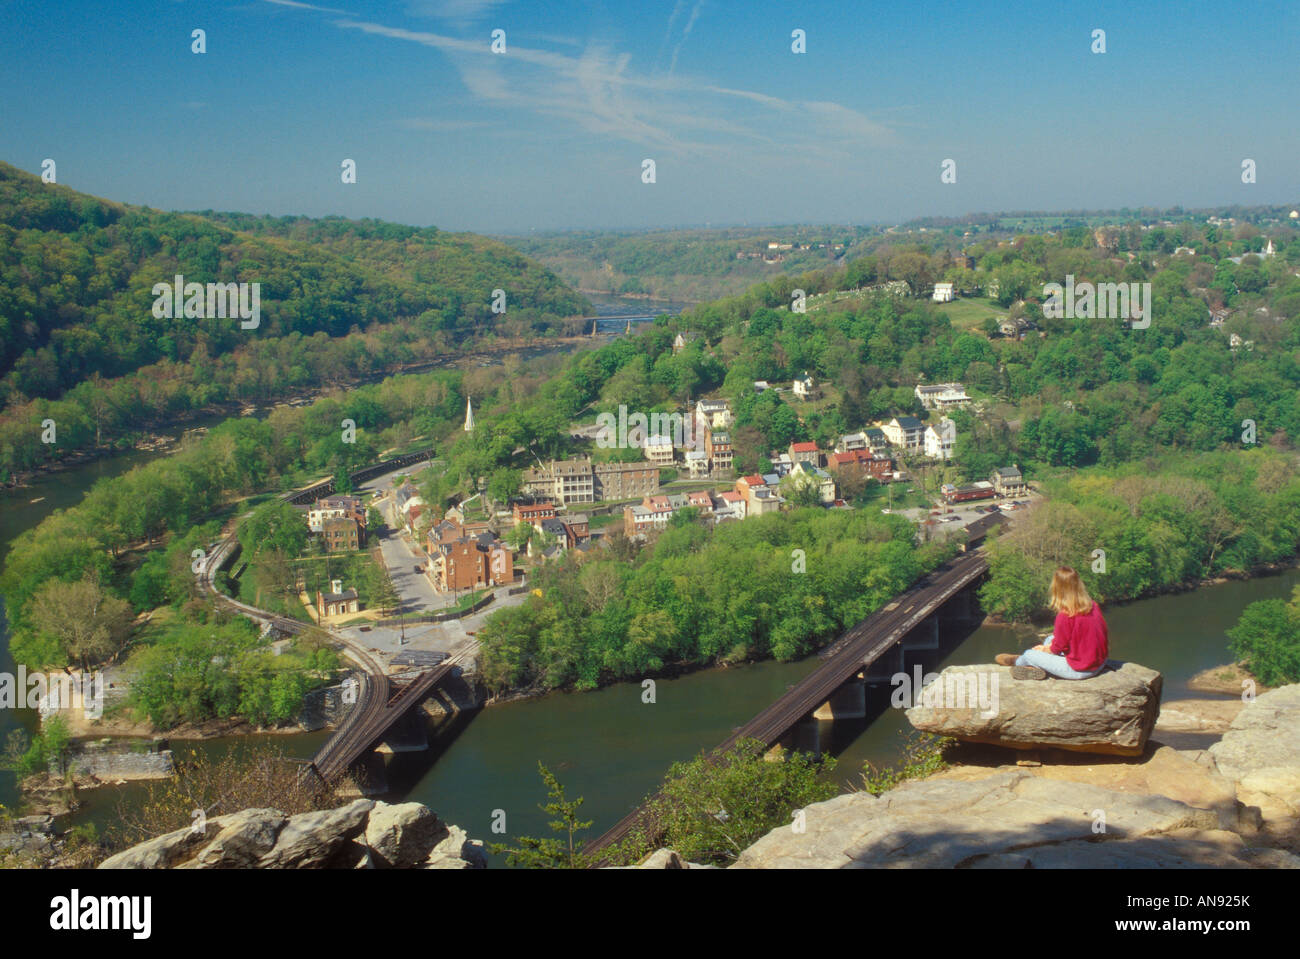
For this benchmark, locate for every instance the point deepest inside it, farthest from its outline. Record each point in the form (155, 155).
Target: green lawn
(966, 313)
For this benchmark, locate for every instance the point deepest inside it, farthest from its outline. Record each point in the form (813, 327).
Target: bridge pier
(410, 734)
(371, 778)
(803, 737)
(847, 702)
(887, 666)
(925, 636)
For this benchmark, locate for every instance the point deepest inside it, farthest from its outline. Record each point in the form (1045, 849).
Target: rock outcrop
(1260, 753)
(1012, 819)
(1112, 713)
(360, 835)
(665, 859)
(1235, 804)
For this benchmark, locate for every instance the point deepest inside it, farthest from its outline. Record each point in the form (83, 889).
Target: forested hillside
(76, 317)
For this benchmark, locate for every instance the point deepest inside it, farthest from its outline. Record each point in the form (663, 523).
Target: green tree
(548, 853)
(89, 624)
(713, 807)
(275, 525)
(1267, 640)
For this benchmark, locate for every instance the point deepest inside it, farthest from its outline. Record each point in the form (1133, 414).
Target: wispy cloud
(455, 11)
(305, 6)
(690, 25)
(598, 91)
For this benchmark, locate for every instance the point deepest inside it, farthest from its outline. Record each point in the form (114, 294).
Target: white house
(804, 388)
(941, 396)
(697, 464)
(942, 293)
(939, 441)
(815, 474)
(659, 450)
(729, 505)
(905, 432)
(712, 415)
(850, 442)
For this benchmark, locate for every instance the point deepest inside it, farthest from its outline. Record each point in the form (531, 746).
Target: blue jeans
(1053, 664)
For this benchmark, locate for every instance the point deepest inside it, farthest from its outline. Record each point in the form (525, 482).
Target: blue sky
(551, 134)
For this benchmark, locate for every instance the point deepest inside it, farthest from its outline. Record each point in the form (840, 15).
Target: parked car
(419, 569)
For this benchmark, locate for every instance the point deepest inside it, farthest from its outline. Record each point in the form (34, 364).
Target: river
(611, 748)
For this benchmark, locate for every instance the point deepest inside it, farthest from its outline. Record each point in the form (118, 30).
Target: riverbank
(149, 441)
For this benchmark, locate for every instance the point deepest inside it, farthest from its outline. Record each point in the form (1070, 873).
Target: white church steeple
(469, 415)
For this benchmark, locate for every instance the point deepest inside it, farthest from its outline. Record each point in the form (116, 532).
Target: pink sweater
(1083, 639)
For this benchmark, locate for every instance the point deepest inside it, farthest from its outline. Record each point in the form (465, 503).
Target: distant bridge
(852, 653)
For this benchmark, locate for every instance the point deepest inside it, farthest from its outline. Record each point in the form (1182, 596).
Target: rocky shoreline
(361, 835)
(1217, 786)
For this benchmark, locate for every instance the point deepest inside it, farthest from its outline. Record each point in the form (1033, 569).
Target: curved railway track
(371, 715)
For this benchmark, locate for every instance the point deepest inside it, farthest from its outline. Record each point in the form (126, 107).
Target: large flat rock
(951, 823)
(1112, 713)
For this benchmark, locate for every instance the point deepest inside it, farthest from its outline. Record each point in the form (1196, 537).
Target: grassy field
(968, 313)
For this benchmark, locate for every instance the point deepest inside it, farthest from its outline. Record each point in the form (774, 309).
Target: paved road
(453, 638)
(416, 589)
(382, 484)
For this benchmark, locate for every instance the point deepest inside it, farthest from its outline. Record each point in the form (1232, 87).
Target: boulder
(242, 840)
(1112, 713)
(404, 834)
(662, 859)
(164, 852)
(954, 824)
(1260, 753)
(360, 835)
(456, 851)
(1180, 849)
(665, 859)
(310, 840)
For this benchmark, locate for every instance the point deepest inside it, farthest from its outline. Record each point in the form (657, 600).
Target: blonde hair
(1069, 595)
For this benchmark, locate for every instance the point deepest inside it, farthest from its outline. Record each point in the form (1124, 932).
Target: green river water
(610, 747)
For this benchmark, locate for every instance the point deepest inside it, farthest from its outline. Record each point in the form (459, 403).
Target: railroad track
(374, 688)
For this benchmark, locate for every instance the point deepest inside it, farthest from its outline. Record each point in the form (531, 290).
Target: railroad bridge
(383, 710)
(871, 651)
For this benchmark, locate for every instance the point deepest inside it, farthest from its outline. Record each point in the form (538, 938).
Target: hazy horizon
(550, 135)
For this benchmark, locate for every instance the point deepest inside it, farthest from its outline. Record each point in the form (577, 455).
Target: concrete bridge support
(847, 702)
(804, 737)
(884, 668)
(410, 734)
(371, 779)
(925, 636)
